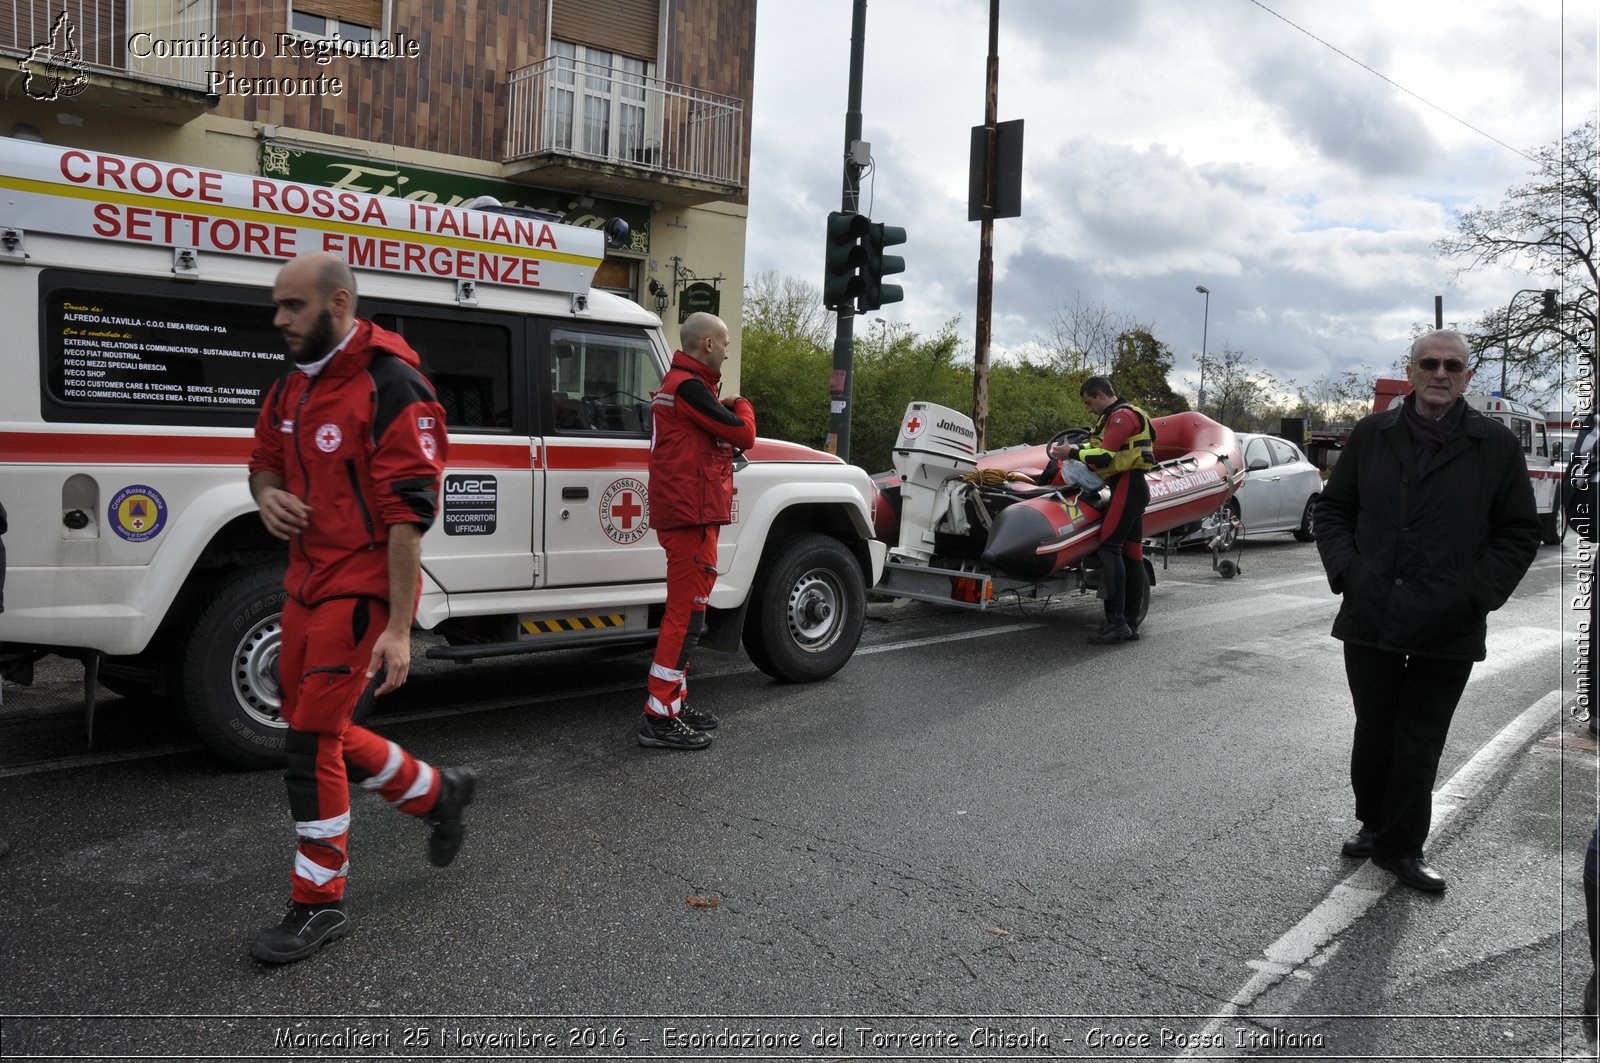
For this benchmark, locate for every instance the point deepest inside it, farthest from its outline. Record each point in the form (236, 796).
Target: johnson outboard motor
(935, 446)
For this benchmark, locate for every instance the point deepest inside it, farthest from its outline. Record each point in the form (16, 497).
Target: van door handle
(574, 494)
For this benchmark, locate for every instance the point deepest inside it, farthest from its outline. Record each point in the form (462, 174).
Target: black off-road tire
(230, 668)
(807, 609)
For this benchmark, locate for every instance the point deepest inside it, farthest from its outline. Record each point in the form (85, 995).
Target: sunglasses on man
(1451, 365)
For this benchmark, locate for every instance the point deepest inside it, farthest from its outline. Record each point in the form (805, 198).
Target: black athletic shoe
(455, 794)
(1112, 631)
(304, 930)
(700, 721)
(670, 732)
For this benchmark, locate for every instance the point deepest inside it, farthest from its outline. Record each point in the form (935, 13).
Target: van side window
(1523, 429)
(118, 350)
(601, 382)
(469, 363)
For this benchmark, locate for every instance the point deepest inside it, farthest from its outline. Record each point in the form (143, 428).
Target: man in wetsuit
(1119, 449)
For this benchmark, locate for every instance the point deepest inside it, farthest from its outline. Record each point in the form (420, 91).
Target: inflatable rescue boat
(961, 509)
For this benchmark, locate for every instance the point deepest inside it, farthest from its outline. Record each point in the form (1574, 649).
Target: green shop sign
(697, 297)
(451, 189)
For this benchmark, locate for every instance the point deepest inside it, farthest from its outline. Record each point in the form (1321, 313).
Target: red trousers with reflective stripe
(691, 572)
(323, 672)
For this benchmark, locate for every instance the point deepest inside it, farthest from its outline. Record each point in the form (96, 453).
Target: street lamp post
(1548, 311)
(1205, 324)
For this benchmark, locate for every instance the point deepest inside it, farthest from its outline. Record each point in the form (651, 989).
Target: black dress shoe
(1413, 872)
(1360, 846)
(1589, 1033)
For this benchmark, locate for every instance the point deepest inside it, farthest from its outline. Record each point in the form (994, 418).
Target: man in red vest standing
(693, 435)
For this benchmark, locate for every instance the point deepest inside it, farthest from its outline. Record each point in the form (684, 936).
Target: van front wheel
(230, 669)
(807, 609)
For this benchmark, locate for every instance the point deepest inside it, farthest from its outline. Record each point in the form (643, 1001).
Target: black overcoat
(1422, 560)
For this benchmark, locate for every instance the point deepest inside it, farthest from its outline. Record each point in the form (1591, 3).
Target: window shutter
(358, 12)
(629, 27)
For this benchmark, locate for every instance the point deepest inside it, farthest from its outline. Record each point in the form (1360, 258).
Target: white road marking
(1299, 951)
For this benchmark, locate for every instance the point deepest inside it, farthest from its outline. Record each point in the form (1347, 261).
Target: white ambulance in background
(139, 343)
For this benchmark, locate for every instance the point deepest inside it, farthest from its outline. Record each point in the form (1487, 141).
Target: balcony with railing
(623, 133)
(148, 54)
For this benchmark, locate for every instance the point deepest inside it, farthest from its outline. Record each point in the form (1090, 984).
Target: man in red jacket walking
(693, 435)
(350, 445)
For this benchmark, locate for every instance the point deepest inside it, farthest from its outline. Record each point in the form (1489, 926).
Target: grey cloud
(1346, 113)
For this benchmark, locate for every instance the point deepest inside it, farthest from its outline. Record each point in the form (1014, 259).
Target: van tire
(807, 609)
(230, 675)
(1553, 525)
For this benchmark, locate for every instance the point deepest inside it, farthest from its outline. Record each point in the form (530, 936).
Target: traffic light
(874, 292)
(841, 282)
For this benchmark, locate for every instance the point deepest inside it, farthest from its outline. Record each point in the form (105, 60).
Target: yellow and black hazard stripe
(563, 625)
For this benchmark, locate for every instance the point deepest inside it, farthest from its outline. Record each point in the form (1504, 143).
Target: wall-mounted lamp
(585, 201)
(659, 292)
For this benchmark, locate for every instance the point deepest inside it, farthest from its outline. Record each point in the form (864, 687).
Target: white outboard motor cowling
(935, 445)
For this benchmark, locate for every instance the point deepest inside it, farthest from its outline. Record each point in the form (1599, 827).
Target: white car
(1280, 488)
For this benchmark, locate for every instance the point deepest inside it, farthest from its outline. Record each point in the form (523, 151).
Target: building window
(597, 103)
(350, 20)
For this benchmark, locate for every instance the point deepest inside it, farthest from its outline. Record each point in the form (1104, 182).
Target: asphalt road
(982, 838)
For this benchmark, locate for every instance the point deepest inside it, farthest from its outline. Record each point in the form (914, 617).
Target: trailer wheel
(1144, 597)
(808, 607)
(1553, 525)
(230, 668)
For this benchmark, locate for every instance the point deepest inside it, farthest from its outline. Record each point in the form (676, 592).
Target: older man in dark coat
(1426, 526)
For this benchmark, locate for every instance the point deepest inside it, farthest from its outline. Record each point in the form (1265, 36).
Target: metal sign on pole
(995, 191)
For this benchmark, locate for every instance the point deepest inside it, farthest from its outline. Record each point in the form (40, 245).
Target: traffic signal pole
(841, 386)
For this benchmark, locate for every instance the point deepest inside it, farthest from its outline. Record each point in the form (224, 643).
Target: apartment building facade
(589, 109)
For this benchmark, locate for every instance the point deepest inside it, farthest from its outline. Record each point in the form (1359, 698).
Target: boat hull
(1199, 467)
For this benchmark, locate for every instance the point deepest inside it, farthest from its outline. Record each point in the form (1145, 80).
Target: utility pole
(991, 117)
(841, 386)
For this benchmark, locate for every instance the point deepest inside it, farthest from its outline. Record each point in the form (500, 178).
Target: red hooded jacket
(692, 438)
(363, 444)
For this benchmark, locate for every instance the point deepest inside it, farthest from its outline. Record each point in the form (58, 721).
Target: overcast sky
(1170, 143)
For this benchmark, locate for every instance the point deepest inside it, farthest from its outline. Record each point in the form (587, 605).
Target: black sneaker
(304, 930)
(700, 721)
(455, 794)
(1133, 632)
(1112, 631)
(670, 732)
